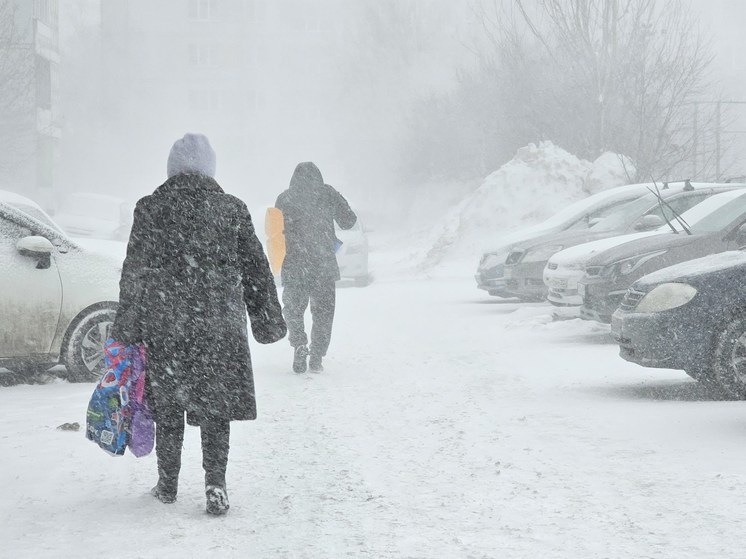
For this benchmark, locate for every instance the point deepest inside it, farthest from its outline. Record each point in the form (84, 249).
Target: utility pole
(717, 141)
(694, 141)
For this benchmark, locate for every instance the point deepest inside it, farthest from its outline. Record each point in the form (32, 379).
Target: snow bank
(537, 182)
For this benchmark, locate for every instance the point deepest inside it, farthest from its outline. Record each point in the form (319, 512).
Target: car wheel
(729, 360)
(707, 380)
(10, 378)
(83, 354)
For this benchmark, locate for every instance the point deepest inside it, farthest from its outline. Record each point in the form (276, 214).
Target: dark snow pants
(295, 300)
(169, 437)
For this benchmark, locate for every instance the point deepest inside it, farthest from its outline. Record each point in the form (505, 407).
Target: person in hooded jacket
(310, 270)
(194, 267)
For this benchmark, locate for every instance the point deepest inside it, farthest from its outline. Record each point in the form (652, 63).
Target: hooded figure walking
(310, 270)
(194, 267)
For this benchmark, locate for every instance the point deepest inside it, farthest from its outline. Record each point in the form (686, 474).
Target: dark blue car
(690, 316)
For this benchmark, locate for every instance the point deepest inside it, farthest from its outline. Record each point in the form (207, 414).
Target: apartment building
(29, 97)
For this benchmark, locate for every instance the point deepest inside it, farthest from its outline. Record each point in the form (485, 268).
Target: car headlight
(541, 253)
(629, 265)
(666, 296)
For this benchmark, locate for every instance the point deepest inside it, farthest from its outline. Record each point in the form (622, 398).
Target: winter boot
(314, 363)
(217, 500)
(164, 492)
(299, 360)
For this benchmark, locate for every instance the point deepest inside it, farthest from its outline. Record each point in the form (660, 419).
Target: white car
(565, 268)
(581, 215)
(352, 256)
(97, 216)
(58, 299)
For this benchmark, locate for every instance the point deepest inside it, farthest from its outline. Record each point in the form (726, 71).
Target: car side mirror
(38, 247)
(649, 222)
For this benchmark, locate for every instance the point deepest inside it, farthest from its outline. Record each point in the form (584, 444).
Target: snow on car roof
(582, 252)
(619, 192)
(581, 206)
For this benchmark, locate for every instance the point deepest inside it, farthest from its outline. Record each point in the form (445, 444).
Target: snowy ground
(447, 425)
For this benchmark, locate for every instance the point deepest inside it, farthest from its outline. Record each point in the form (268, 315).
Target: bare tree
(17, 119)
(613, 75)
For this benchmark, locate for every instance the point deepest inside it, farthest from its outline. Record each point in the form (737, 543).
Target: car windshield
(36, 213)
(730, 208)
(623, 218)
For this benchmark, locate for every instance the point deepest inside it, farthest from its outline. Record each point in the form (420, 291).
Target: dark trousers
(169, 437)
(322, 297)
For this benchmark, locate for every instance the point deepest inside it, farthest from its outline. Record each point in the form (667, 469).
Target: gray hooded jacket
(310, 208)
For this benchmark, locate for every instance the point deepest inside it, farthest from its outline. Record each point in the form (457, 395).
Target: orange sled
(274, 227)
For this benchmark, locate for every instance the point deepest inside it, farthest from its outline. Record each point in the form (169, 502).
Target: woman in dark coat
(194, 267)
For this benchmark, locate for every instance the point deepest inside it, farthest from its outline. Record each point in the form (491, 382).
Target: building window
(204, 55)
(204, 9)
(43, 10)
(47, 11)
(45, 149)
(203, 100)
(256, 10)
(43, 83)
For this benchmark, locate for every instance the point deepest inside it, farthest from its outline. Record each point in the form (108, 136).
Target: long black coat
(194, 267)
(310, 208)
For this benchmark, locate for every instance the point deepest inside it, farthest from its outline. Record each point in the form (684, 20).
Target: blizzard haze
(451, 420)
(270, 83)
(361, 88)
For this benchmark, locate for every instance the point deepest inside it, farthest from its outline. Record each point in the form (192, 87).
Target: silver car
(57, 299)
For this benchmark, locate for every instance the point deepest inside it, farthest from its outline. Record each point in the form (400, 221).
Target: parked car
(58, 299)
(716, 225)
(690, 316)
(352, 256)
(578, 216)
(524, 266)
(98, 216)
(560, 273)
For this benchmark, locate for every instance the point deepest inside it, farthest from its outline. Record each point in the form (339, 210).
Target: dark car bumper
(666, 340)
(493, 281)
(526, 281)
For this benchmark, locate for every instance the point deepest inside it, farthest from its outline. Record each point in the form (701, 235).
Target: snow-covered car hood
(697, 267)
(584, 252)
(565, 238)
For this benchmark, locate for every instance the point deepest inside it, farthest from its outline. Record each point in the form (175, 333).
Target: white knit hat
(191, 154)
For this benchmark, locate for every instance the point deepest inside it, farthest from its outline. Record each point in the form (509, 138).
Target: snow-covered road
(446, 425)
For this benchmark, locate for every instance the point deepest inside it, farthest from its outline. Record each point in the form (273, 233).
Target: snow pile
(610, 169)
(537, 182)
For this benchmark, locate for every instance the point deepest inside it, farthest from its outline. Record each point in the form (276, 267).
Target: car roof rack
(687, 184)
